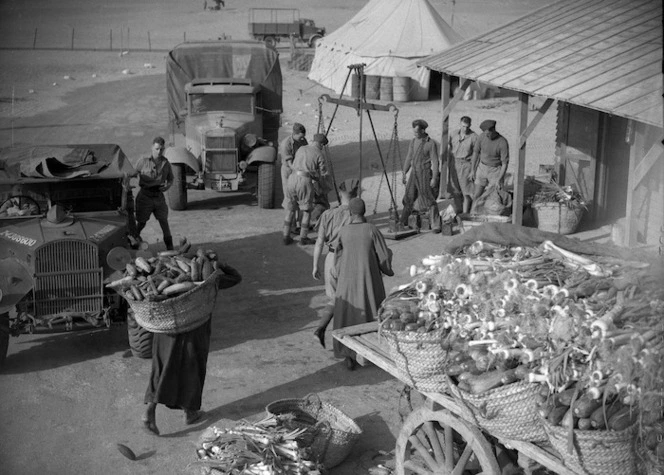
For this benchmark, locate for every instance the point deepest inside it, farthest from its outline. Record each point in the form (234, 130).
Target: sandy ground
(66, 399)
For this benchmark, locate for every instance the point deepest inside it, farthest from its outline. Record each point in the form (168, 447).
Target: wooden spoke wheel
(439, 443)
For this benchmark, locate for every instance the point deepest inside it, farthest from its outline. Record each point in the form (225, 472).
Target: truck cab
(224, 126)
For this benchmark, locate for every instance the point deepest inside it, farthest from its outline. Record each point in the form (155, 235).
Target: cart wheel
(437, 443)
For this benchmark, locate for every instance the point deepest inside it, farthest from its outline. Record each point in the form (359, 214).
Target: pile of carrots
(166, 275)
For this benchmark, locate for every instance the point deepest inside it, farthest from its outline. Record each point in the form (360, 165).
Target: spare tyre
(140, 340)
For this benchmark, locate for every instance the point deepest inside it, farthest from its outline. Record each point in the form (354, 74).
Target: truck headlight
(243, 165)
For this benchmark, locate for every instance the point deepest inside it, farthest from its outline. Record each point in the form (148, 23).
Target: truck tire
(177, 193)
(266, 185)
(140, 340)
(313, 40)
(271, 41)
(4, 337)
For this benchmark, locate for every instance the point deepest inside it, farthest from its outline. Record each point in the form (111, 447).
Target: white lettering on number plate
(26, 241)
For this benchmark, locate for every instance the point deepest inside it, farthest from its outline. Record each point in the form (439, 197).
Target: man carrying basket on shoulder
(179, 364)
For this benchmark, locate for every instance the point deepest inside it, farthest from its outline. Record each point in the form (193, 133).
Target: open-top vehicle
(63, 234)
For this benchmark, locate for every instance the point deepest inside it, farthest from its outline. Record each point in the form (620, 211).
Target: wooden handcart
(439, 438)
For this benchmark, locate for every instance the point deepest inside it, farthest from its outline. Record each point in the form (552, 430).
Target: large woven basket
(595, 452)
(557, 217)
(335, 433)
(509, 411)
(178, 314)
(421, 358)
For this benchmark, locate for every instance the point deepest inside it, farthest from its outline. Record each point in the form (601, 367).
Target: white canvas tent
(389, 36)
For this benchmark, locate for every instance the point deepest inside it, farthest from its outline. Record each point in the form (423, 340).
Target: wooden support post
(72, 38)
(522, 121)
(637, 172)
(184, 36)
(149, 42)
(444, 138)
(110, 38)
(128, 38)
(34, 40)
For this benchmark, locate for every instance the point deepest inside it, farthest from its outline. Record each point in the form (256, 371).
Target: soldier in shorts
(308, 166)
(490, 159)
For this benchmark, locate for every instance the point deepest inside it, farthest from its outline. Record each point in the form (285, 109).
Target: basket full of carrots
(173, 292)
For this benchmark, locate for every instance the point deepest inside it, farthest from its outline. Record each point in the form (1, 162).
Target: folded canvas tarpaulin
(506, 234)
(223, 59)
(63, 162)
(389, 36)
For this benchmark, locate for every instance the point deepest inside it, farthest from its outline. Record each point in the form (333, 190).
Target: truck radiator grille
(224, 142)
(67, 278)
(221, 162)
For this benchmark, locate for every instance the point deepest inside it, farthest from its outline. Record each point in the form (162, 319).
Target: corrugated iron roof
(601, 54)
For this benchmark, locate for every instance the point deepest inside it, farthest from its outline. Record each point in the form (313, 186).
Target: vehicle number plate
(224, 185)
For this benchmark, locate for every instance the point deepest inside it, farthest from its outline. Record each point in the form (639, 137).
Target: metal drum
(373, 87)
(401, 88)
(386, 88)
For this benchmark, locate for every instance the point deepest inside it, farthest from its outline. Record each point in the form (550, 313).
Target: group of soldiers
(475, 162)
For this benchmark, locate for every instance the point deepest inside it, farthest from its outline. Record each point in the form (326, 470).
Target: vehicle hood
(24, 237)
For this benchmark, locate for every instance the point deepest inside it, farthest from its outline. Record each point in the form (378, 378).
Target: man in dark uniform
(308, 166)
(490, 159)
(329, 226)
(423, 159)
(155, 176)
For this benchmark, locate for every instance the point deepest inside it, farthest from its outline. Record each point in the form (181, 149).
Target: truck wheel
(314, 40)
(177, 193)
(140, 340)
(271, 41)
(4, 337)
(266, 185)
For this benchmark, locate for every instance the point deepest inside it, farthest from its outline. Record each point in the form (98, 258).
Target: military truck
(272, 24)
(225, 104)
(63, 235)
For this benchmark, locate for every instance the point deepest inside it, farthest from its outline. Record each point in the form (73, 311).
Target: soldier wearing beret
(309, 166)
(490, 159)
(422, 158)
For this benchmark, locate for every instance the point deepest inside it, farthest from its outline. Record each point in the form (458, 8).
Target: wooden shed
(602, 61)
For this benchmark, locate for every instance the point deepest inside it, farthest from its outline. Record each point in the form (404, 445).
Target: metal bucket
(401, 88)
(373, 87)
(386, 88)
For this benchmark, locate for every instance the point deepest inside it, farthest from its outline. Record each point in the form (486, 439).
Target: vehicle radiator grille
(67, 278)
(224, 142)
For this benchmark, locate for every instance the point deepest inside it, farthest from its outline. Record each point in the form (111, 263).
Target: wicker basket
(335, 433)
(509, 411)
(595, 452)
(178, 314)
(420, 358)
(557, 217)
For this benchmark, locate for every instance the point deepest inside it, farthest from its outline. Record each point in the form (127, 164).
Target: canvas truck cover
(49, 163)
(223, 59)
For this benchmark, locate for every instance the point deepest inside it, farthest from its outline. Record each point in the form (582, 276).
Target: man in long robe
(179, 365)
(360, 289)
(331, 222)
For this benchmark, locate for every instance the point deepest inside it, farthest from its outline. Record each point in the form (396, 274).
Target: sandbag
(494, 201)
